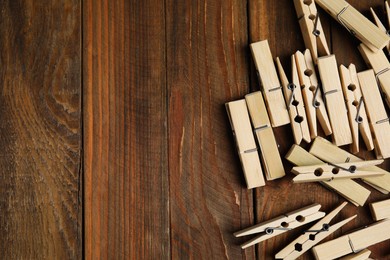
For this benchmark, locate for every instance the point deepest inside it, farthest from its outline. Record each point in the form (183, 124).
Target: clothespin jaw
(269, 152)
(376, 112)
(328, 172)
(293, 96)
(379, 23)
(271, 88)
(334, 99)
(281, 224)
(357, 116)
(245, 142)
(353, 242)
(312, 94)
(313, 235)
(311, 27)
(356, 23)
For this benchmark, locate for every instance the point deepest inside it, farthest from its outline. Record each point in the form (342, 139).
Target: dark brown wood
(40, 130)
(125, 130)
(207, 66)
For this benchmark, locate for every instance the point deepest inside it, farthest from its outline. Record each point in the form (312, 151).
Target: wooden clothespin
(347, 188)
(362, 255)
(271, 88)
(334, 99)
(281, 224)
(312, 94)
(380, 210)
(381, 66)
(311, 27)
(356, 23)
(246, 145)
(376, 112)
(269, 151)
(353, 242)
(293, 95)
(313, 235)
(380, 24)
(328, 152)
(358, 120)
(329, 172)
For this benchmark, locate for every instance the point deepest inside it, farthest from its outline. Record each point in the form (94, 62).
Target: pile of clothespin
(345, 103)
(354, 243)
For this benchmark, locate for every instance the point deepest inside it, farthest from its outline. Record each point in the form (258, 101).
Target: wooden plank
(328, 152)
(348, 189)
(207, 67)
(380, 209)
(40, 130)
(125, 130)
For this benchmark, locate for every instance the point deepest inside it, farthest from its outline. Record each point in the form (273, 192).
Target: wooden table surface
(115, 143)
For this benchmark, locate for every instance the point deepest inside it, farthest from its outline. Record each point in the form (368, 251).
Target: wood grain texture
(162, 176)
(40, 131)
(125, 131)
(207, 67)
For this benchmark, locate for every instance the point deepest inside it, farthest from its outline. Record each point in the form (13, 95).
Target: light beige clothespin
(380, 24)
(356, 23)
(353, 242)
(380, 209)
(347, 188)
(376, 112)
(358, 120)
(313, 235)
(281, 224)
(246, 145)
(293, 95)
(311, 27)
(271, 88)
(334, 99)
(328, 152)
(269, 151)
(330, 171)
(381, 66)
(312, 94)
